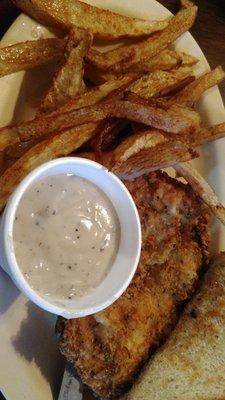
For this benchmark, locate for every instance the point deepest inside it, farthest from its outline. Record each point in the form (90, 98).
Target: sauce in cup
(66, 236)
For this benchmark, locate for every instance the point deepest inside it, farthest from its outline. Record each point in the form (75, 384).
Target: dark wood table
(209, 29)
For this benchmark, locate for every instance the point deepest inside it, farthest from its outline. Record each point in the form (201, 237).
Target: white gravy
(66, 236)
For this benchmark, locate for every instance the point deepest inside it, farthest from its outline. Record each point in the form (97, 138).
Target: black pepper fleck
(69, 297)
(76, 230)
(50, 185)
(69, 267)
(37, 223)
(54, 212)
(78, 237)
(40, 243)
(93, 247)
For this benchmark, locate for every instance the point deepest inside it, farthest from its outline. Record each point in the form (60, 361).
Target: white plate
(30, 366)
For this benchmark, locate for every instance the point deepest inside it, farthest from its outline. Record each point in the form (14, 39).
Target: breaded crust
(109, 348)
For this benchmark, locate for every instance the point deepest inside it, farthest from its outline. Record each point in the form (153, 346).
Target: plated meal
(133, 109)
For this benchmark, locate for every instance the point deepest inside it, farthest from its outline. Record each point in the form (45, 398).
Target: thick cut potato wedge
(203, 135)
(192, 93)
(59, 145)
(9, 135)
(68, 79)
(111, 89)
(165, 61)
(27, 55)
(202, 188)
(133, 144)
(174, 119)
(160, 83)
(160, 156)
(121, 59)
(108, 132)
(103, 24)
(30, 54)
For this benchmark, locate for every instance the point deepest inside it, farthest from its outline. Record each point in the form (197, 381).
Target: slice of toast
(191, 365)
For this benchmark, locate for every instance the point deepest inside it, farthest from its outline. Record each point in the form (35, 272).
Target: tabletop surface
(209, 29)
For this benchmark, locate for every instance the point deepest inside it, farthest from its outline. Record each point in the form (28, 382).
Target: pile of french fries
(131, 108)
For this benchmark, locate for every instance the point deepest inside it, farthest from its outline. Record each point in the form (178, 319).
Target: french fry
(132, 145)
(142, 153)
(98, 93)
(165, 61)
(160, 83)
(153, 84)
(160, 156)
(108, 132)
(204, 135)
(122, 58)
(103, 24)
(9, 135)
(59, 145)
(202, 188)
(194, 139)
(192, 93)
(174, 119)
(30, 54)
(68, 80)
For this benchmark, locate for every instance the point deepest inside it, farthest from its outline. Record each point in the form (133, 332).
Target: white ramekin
(128, 254)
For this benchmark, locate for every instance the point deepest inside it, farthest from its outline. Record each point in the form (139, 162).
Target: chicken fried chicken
(109, 348)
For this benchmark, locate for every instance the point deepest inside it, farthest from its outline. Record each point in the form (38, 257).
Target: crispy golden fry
(160, 83)
(152, 84)
(202, 188)
(144, 152)
(59, 145)
(161, 156)
(26, 55)
(104, 24)
(192, 93)
(68, 79)
(194, 139)
(121, 59)
(23, 56)
(148, 138)
(166, 60)
(98, 93)
(108, 131)
(204, 135)
(9, 135)
(174, 119)
(132, 145)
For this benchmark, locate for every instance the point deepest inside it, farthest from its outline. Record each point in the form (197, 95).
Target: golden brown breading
(109, 348)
